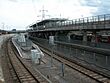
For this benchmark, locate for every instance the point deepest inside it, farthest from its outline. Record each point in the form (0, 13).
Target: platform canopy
(43, 22)
(34, 25)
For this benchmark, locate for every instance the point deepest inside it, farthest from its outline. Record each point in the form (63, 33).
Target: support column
(68, 37)
(56, 36)
(94, 38)
(46, 35)
(85, 36)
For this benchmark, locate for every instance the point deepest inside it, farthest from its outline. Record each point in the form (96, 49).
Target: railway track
(21, 73)
(76, 66)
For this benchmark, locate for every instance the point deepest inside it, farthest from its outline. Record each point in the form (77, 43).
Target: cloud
(13, 0)
(17, 14)
(91, 3)
(101, 6)
(21, 13)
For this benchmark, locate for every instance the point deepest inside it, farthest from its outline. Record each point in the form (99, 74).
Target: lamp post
(51, 42)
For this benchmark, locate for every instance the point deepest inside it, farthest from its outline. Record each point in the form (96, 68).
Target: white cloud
(21, 13)
(17, 14)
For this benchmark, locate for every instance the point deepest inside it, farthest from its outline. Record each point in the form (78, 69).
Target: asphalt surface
(1, 73)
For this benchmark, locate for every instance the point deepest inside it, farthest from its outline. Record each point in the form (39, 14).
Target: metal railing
(80, 42)
(91, 55)
(94, 22)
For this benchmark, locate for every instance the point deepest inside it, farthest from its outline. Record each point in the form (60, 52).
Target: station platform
(27, 56)
(23, 53)
(53, 71)
(2, 39)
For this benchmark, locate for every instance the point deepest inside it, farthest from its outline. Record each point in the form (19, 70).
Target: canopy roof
(43, 22)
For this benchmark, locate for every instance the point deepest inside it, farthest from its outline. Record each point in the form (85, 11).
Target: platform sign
(51, 40)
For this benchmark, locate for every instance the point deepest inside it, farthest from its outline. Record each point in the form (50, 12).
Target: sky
(19, 14)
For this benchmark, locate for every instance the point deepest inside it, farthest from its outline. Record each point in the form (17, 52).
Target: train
(105, 38)
(99, 38)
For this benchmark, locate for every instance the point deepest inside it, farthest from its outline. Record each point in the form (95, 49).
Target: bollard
(94, 58)
(62, 68)
(106, 60)
(76, 52)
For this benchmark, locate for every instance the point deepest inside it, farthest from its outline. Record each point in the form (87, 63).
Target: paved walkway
(1, 74)
(2, 38)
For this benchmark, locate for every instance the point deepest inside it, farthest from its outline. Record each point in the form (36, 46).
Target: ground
(1, 74)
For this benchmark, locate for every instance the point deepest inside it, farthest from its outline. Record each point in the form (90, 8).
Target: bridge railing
(93, 22)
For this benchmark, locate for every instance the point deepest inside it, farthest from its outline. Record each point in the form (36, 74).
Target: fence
(93, 56)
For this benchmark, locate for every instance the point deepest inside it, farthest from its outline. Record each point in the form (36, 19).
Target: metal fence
(80, 42)
(27, 43)
(93, 58)
(90, 57)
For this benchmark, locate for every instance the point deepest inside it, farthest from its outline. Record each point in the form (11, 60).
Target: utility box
(51, 40)
(36, 56)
